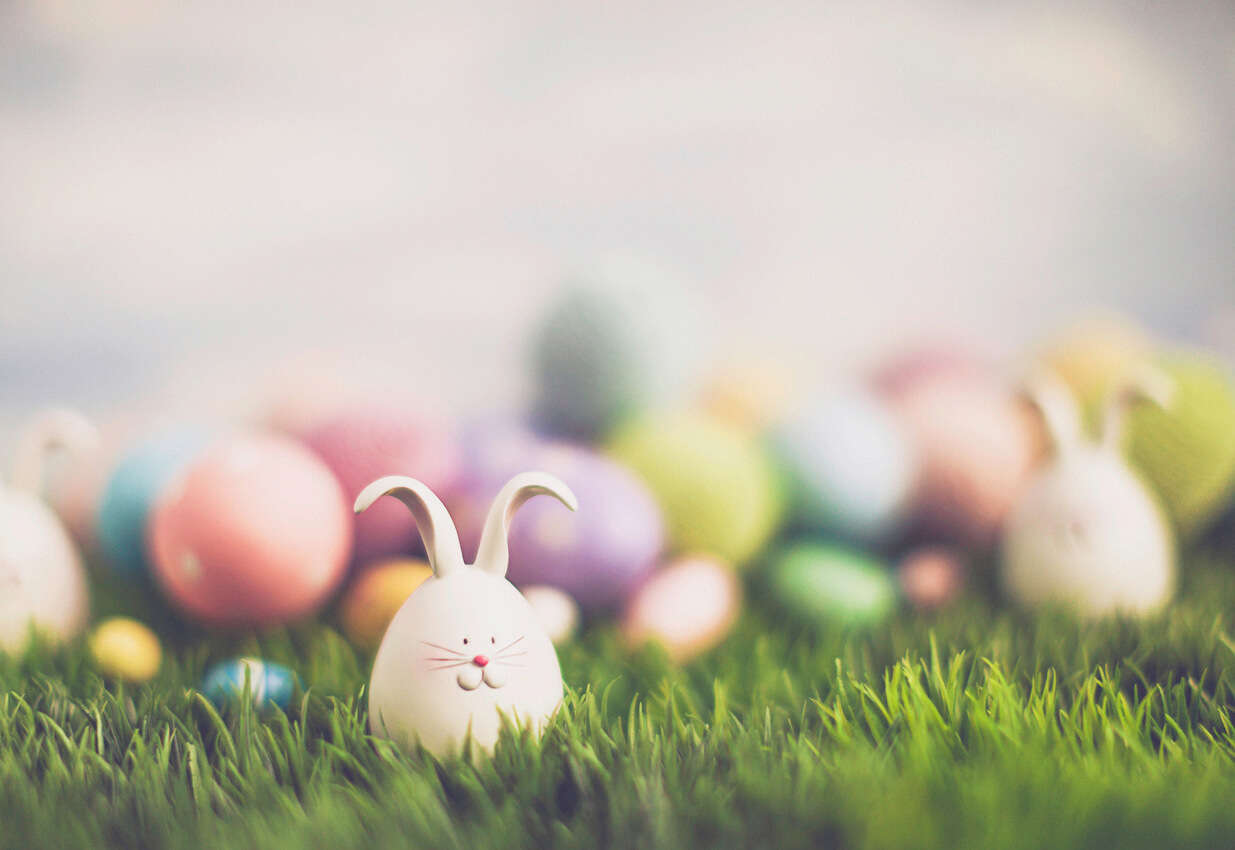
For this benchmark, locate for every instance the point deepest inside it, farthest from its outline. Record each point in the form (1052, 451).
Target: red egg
(364, 445)
(977, 440)
(256, 532)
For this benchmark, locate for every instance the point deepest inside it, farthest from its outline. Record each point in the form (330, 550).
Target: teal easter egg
(821, 583)
(132, 490)
(851, 466)
(267, 682)
(618, 338)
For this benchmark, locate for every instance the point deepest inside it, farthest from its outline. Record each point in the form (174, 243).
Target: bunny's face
(463, 651)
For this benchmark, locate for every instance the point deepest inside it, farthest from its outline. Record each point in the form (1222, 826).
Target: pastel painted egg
(688, 606)
(375, 596)
(750, 394)
(1187, 449)
(556, 611)
(256, 532)
(977, 443)
(597, 555)
(126, 649)
(851, 466)
(931, 577)
(1092, 355)
(132, 489)
(716, 484)
(619, 338)
(264, 682)
(820, 583)
(366, 444)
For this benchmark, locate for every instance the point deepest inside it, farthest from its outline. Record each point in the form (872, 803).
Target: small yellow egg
(376, 596)
(752, 395)
(126, 649)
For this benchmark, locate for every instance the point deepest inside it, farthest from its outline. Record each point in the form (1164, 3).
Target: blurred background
(200, 198)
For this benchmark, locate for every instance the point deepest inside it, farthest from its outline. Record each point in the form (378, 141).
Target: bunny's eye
(465, 641)
(493, 640)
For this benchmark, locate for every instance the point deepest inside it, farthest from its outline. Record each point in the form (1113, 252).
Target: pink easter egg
(366, 444)
(931, 577)
(687, 606)
(977, 440)
(255, 532)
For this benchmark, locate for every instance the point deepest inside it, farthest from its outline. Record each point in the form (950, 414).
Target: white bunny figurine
(1087, 531)
(42, 580)
(465, 648)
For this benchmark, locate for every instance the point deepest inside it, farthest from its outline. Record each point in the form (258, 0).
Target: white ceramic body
(425, 685)
(1088, 533)
(42, 581)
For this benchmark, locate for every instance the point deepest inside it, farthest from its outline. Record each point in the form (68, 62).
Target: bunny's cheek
(495, 677)
(469, 678)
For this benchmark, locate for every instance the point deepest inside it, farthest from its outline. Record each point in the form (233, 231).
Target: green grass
(978, 727)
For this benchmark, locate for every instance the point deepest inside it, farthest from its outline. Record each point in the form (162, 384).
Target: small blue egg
(268, 682)
(132, 490)
(851, 467)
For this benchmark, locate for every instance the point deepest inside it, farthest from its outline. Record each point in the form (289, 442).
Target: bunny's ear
(1145, 384)
(437, 529)
(493, 554)
(58, 428)
(1058, 408)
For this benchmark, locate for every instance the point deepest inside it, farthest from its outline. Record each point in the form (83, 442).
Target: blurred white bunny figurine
(42, 580)
(465, 648)
(1087, 531)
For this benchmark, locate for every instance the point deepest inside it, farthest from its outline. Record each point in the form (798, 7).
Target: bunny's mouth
(471, 677)
(479, 669)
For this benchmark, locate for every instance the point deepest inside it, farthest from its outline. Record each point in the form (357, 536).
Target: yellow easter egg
(752, 395)
(126, 649)
(376, 595)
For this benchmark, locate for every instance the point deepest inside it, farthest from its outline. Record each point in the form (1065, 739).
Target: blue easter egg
(132, 490)
(619, 337)
(267, 682)
(851, 467)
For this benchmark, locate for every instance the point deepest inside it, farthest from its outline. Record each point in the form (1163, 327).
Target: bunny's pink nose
(480, 660)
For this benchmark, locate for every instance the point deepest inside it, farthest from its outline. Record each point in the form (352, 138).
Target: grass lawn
(977, 727)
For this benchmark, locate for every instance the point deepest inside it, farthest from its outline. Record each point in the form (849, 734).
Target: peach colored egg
(977, 442)
(688, 606)
(931, 576)
(255, 532)
(376, 595)
(368, 443)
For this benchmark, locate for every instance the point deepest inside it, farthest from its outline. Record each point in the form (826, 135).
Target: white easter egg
(557, 612)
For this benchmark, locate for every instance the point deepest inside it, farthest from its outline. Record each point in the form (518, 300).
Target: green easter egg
(715, 482)
(820, 583)
(1187, 450)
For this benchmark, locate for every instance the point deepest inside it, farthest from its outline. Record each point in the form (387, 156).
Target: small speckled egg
(820, 583)
(368, 443)
(126, 649)
(688, 606)
(851, 466)
(619, 338)
(1091, 355)
(977, 442)
(375, 595)
(132, 489)
(750, 394)
(268, 683)
(931, 577)
(717, 485)
(1187, 449)
(556, 611)
(599, 554)
(255, 532)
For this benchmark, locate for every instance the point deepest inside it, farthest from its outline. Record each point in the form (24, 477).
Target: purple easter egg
(366, 444)
(597, 555)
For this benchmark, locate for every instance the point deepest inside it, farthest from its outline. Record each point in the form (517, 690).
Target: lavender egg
(597, 556)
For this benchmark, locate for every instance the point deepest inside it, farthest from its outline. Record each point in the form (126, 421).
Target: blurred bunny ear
(58, 428)
(493, 554)
(436, 527)
(1145, 384)
(1058, 408)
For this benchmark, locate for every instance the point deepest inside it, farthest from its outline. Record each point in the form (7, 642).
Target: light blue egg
(268, 683)
(132, 490)
(619, 337)
(850, 466)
